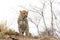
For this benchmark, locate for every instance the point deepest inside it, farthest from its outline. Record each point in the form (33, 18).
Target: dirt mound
(49, 38)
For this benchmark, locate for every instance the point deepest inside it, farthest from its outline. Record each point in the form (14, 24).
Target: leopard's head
(24, 13)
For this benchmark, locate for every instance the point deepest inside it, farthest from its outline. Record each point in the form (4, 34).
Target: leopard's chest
(23, 25)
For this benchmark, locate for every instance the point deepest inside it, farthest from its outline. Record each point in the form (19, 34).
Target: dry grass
(11, 34)
(3, 28)
(47, 37)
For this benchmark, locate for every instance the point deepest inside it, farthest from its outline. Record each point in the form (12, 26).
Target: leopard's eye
(23, 13)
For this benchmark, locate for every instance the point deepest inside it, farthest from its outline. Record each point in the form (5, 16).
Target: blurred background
(9, 12)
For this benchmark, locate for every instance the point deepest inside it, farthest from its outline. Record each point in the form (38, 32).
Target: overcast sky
(9, 10)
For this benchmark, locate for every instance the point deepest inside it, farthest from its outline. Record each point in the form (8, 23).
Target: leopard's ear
(20, 11)
(27, 11)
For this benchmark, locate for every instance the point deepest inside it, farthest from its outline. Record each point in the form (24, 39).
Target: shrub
(11, 32)
(3, 28)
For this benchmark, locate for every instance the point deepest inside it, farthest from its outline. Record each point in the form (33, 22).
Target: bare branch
(51, 5)
(36, 8)
(51, 1)
(29, 9)
(32, 21)
(43, 17)
(36, 24)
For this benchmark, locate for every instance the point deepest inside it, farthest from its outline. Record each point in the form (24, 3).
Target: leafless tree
(51, 5)
(53, 15)
(44, 18)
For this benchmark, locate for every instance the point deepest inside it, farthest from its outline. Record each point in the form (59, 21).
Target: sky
(9, 11)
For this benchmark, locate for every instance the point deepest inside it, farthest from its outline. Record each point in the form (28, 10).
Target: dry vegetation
(6, 34)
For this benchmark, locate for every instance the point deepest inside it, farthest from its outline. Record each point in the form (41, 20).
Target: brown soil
(17, 37)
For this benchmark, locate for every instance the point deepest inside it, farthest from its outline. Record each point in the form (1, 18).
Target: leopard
(23, 23)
